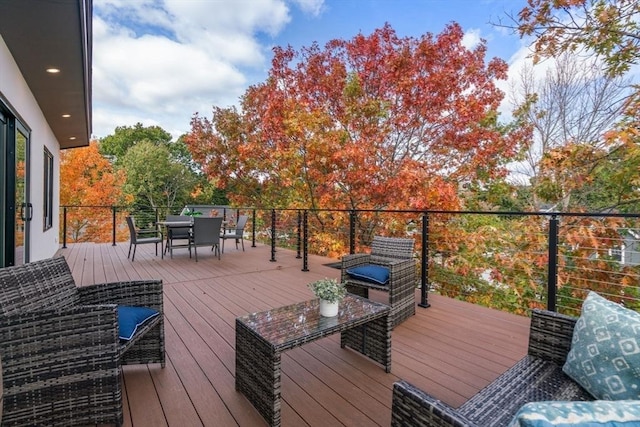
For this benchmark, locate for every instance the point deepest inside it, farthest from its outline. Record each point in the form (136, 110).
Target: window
(48, 190)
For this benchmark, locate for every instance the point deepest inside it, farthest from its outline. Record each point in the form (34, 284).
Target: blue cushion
(605, 350)
(599, 413)
(129, 318)
(370, 273)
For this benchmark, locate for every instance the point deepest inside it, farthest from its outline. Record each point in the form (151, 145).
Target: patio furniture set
(63, 347)
(183, 231)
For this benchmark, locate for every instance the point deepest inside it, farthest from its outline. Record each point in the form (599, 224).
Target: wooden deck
(451, 349)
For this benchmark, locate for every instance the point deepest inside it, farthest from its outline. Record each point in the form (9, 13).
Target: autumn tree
(89, 180)
(610, 29)
(375, 122)
(572, 105)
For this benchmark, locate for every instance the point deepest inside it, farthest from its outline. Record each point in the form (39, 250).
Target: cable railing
(512, 261)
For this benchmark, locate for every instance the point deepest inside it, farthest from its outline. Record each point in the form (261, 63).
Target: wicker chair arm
(354, 260)
(550, 335)
(147, 293)
(413, 407)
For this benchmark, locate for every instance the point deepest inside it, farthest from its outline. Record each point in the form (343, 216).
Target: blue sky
(159, 61)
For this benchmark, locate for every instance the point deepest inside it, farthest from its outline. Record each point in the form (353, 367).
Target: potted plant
(330, 292)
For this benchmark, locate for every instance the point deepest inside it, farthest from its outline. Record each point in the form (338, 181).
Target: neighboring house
(42, 111)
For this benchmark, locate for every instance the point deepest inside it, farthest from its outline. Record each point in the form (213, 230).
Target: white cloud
(471, 38)
(159, 62)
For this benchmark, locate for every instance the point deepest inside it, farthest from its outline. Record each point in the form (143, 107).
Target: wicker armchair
(536, 377)
(60, 347)
(397, 255)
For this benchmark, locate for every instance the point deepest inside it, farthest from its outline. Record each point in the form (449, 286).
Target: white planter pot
(328, 309)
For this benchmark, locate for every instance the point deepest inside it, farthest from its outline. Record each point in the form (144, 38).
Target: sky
(158, 62)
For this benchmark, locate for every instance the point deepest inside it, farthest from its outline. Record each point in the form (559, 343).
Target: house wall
(15, 92)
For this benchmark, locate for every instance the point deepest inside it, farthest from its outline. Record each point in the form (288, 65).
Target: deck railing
(514, 261)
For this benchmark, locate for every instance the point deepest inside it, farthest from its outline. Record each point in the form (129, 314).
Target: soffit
(44, 34)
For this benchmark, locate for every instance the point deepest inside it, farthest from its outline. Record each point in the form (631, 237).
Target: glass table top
(302, 320)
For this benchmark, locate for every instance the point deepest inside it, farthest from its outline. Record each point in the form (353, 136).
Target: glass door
(23, 209)
(15, 209)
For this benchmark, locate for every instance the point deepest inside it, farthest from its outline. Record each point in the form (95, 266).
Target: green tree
(154, 178)
(125, 137)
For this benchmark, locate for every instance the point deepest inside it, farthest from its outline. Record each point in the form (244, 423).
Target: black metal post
(64, 227)
(273, 235)
(253, 230)
(424, 268)
(305, 259)
(352, 232)
(552, 269)
(299, 231)
(113, 225)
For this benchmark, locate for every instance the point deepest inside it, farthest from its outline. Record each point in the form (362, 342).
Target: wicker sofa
(536, 377)
(60, 347)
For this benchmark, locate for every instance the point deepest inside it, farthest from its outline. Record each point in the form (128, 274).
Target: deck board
(451, 349)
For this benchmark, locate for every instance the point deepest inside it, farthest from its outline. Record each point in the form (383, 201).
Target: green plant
(328, 289)
(194, 212)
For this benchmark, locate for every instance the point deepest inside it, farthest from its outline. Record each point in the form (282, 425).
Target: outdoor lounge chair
(391, 258)
(60, 347)
(206, 232)
(537, 377)
(236, 232)
(139, 236)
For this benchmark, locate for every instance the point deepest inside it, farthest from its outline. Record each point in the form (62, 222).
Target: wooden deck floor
(451, 349)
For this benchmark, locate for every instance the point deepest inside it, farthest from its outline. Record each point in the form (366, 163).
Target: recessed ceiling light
(66, 116)
(72, 138)
(53, 70)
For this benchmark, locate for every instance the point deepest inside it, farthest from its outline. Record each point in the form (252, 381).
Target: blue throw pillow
(370, 273)
(598, 413)
(129, 318)
(605, 350)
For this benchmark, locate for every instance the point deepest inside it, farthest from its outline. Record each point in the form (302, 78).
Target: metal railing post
(305, 242)
(113, 225)
(253, 229)
(299, 237)
(424, 268)
(64, 227)
(552, 269)
(273, 235)
(352, 232)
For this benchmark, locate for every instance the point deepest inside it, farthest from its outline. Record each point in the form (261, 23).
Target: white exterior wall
(15, 91)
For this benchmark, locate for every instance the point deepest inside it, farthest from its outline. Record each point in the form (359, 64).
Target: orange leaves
(88, 179)
(370, 122)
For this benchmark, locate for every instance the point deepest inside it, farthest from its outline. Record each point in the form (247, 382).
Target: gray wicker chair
(397, 255)
(60, 348)
(536, 377)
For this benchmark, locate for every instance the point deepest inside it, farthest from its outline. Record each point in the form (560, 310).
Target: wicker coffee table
(261, 338)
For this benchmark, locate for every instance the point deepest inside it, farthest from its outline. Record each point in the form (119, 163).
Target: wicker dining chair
(395, 257)
(60, 344)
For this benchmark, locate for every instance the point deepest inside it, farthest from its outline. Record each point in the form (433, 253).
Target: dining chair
(206, 232)
(177, 233)
(139, 236)
(236, 232)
